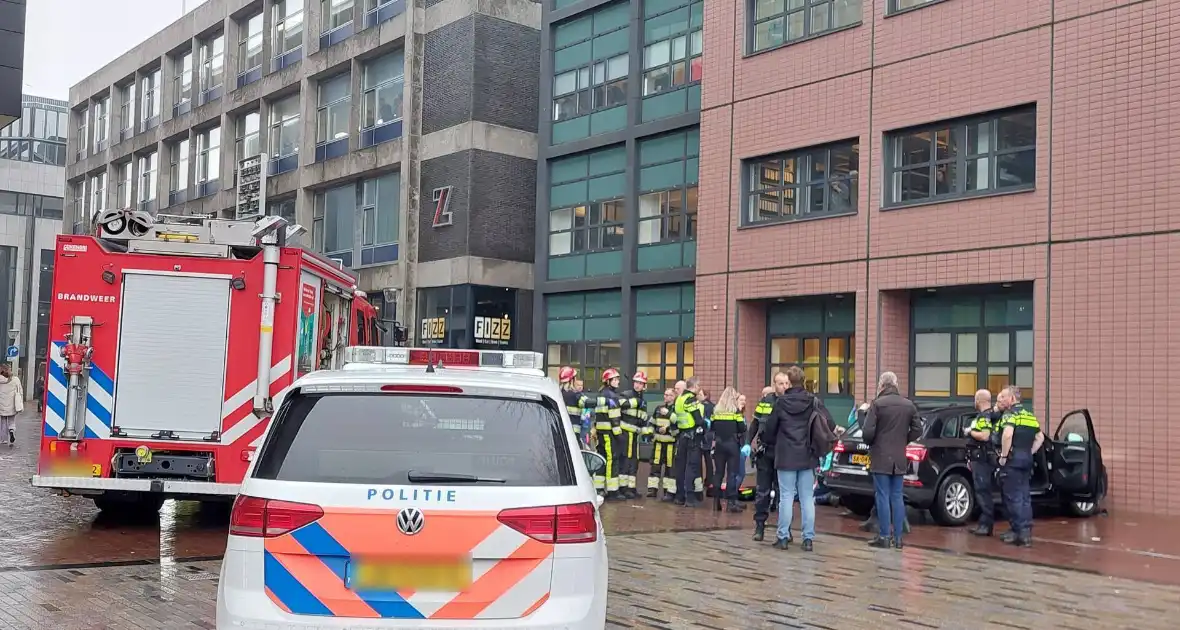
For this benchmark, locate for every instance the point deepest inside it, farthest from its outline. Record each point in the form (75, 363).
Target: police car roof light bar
(438, 357)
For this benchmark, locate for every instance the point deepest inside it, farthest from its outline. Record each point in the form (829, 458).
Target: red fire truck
(170, 336)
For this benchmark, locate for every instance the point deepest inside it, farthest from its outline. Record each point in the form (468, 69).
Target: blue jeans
(802, 483)
(890, 504)
(740, 475)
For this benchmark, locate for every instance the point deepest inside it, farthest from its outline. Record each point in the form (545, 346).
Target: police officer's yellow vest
(1025, 428)
(686, 404)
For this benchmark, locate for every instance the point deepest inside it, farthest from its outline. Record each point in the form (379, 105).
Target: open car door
(1076, 456)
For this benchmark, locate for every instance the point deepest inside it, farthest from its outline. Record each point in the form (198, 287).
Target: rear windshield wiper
(436, 477)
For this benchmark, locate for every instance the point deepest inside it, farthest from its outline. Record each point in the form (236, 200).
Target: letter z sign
(442, 207)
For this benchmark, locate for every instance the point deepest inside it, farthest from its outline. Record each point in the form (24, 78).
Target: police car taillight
(377, 355)
(266, 518)
(554, 524)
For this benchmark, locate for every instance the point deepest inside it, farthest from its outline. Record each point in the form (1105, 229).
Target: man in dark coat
(788, 434)
(890, 425)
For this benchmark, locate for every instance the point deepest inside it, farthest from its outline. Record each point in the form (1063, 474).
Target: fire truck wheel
(129, 504)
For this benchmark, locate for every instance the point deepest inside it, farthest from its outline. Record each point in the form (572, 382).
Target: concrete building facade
(617, 187)
(401, 133)
(965, 193)
(12, 57)
(32, 180)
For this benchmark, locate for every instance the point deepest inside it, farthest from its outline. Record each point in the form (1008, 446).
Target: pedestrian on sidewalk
(890, 425)
(12, 402)
(39, 390)
(799, 432)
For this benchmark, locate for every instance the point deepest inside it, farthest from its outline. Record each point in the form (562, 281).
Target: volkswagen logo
(410, 521)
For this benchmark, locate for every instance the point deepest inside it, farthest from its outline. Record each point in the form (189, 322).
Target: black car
(1068, 470)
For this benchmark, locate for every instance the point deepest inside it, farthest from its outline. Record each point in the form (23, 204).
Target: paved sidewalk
(710, 580)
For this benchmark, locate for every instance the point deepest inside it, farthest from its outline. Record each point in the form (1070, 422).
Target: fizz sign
(434, 329)
(493, 330)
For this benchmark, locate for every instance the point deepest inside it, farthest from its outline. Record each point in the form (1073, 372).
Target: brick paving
(671, 581)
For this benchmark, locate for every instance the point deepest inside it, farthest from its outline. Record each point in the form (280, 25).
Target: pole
(270, 273)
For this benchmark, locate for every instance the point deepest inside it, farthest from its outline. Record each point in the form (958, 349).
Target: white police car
(397, 494)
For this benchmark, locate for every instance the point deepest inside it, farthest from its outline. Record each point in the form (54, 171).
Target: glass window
(668, 216)
(828, 361)
(952, 363)
(178, 175)
(250, 46)
(600, 85)
(284, 127)
(819, 181)
(902, 5)
(588, 227)
(330, 438)
(213, 63)
(127, 106)
(247, 142)
(591, 359)
(184, 79)
(102, 121)
(148, 176)
(777, 22)
(151, 97)
(950, 160)
(382, 84)
(288, 26)
(123, 186)
(335, 13)
(335, 102)
(380, 209)
(675, 61)
(335, 211)
(209, 155)
(664, 363)
(83, 133)
(98, 193)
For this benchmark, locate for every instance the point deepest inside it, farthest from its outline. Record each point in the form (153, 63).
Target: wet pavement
(63, 566)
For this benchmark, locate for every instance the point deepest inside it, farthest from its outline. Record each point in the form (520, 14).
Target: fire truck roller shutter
(170, 374)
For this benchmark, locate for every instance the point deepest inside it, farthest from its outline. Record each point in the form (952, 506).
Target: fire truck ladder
(77, 353)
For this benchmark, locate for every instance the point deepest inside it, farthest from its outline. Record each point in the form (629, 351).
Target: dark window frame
(892, 9)
(955, 131)
(806, 10)
(847, 368)
(691, 35)
(981, 363)
(681, 348)
(600, 93)
(597, 231)
(804, 165)
(589, 358)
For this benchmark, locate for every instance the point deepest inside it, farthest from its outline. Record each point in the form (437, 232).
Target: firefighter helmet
(639, 377)
(609, 375)
(566, 374)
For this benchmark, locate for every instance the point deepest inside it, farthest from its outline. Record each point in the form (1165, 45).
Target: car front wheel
(954, 501)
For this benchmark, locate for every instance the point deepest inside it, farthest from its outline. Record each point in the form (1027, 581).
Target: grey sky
(67, 40)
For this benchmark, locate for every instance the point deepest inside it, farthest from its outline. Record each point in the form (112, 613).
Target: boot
(782, 543)
(1008, 537)
(880, 543)
(717, 504)
(652, 492)
(759, 532)
(982, 530)
(733, 508)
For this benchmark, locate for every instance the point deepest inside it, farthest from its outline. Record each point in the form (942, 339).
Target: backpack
(823, 439)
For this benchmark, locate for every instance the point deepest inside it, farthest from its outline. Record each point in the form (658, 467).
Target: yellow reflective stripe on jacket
(573, 410)
(686, 404)
(627, 426)
(1022, 418)
(982, 423)
(728, 417)
(763, 408)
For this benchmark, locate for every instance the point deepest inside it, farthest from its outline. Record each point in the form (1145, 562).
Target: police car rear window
(366, 438)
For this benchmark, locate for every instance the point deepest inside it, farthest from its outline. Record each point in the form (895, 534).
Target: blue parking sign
(13, 351)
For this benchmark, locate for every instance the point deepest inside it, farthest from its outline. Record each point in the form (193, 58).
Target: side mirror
(595, 463)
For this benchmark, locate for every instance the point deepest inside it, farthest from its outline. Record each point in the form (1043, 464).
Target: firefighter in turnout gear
(575, 402)
(662, 424)
(1020, 440)
(690, 422)
(634, 422)
(729, 430)
(982, 453)
(608, 428)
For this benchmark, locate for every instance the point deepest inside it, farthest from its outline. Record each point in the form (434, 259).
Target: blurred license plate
(435, 576)
(860, 459)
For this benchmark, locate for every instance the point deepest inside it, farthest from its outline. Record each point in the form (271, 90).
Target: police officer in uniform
(662, 424)
(607, 418)
(690, 422)
(729, 430)
(765, 475)
(633, 423)
(981, 453)
(1021, 439)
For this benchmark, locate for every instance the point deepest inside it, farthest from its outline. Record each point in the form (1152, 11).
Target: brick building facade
(968, 193)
